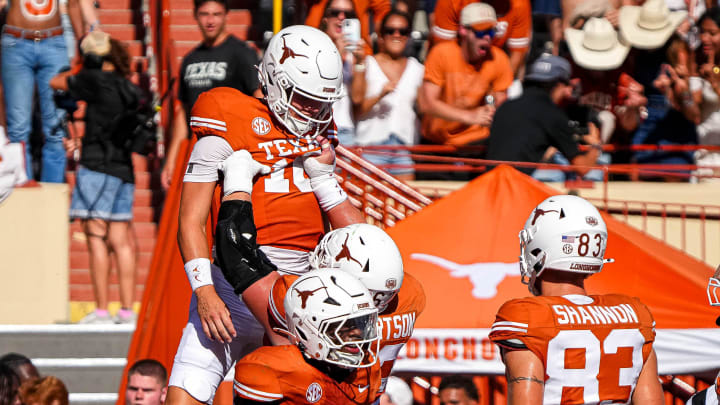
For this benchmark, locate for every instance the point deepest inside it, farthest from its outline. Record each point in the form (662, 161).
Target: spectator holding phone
(341, 25)
(319, 10)
(386, 112)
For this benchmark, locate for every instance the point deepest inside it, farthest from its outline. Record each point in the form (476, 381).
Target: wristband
(359, 67)
(198, 272)
(327, 191)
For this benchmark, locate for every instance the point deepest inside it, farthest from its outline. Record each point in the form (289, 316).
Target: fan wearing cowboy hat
(599, 58)
(662, 66)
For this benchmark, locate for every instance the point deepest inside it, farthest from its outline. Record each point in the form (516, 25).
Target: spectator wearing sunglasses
(386, 111)
(464, 81)
(320, 10)
(353, 56)
(512, 33)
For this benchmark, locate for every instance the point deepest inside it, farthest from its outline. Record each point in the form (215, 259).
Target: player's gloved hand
(321, 171)
(239, 170)
(238, 255)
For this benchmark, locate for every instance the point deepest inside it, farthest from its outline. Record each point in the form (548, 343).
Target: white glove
(239, 170)
(323, 182)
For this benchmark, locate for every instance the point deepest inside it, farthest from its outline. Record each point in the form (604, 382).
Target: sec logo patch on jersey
(313, 393)
(260, 125)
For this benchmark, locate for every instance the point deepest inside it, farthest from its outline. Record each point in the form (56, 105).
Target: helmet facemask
(353, 342)
(713, 291)
(532, 263)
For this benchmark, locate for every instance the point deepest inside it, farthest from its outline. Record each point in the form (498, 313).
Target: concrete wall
(34, 228)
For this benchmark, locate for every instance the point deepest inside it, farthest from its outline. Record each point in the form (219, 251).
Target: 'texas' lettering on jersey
(397, 326)
(201, 74)
(283, 148)
(595, 314)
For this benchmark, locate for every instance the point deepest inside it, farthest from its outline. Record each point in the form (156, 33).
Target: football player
(368, 253)
(333, 327)
(285, 143)
(563, 346)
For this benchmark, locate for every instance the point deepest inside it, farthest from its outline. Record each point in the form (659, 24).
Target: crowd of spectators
(640, 72)
(22, 384)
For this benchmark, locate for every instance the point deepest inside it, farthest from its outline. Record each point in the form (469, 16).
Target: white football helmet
(331, 317)
(366, 252)
(301, 73)
(565, 233)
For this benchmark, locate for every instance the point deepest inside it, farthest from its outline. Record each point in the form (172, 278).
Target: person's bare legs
(120, 240)
(96, 231)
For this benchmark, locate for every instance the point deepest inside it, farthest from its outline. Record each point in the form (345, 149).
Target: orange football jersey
(282, 374)
(286, 213)
(592, 347)
(513, 29)
(397, 321)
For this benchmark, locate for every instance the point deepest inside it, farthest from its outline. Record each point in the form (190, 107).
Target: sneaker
(95, 318)
(125, 316)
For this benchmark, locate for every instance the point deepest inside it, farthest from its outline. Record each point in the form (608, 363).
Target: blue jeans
(402, 157)
(25, 64)
(553, 175)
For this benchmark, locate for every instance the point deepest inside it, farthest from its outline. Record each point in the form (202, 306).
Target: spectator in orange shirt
(318, 9)
(513, 30)
(464, 81)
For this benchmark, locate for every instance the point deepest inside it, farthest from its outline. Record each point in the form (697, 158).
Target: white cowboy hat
(649, 26)
(596, 46)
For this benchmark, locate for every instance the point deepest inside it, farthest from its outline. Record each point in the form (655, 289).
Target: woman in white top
(386, 114)
(705, 88)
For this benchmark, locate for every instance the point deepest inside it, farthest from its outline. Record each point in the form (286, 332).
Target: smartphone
(351, 32)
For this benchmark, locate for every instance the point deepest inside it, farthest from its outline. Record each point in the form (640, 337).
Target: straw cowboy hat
(649, 26)
(596, 46)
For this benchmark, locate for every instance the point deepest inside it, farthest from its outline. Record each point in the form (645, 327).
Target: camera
(351, 32)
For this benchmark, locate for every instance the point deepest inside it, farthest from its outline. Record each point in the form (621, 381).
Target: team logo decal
(260, 125)
(540, 212)
(592, 221)
(345, 252)
(289, 53)
(313, 393)
(567, 249)
(304, 295)
(390, 283)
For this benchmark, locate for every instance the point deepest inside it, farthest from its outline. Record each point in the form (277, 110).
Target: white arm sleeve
(207, 153)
